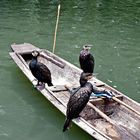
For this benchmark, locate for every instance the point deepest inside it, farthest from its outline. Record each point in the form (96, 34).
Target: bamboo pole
(54, 42)
(103, 115)
(127, 106)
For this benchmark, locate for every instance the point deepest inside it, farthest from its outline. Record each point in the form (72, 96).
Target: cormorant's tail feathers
(66, 125)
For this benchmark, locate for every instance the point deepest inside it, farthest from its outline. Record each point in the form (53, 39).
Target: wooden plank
(96, 130)
(23, 48)
(61, 95)
(57, 88)
(127, 106)
(95, 100)
(52, 59)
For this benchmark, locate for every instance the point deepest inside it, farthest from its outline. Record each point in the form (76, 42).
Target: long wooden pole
(54, 42)
(127, 106)
(103, 115)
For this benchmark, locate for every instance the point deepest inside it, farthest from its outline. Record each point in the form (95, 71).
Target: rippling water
(113, 27)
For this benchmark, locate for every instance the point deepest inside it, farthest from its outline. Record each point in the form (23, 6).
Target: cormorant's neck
(89, 85)
(33, 62)
(34, 58)
(82, 82)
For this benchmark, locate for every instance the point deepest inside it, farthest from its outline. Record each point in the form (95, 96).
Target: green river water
(112, 26)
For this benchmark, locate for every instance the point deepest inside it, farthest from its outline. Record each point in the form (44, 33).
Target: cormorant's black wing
(77, 102)
(91, 62)
(81, 61)
(91, 57)
(42, 72)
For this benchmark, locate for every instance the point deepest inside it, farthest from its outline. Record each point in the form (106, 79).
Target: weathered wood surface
(53, 59)
(58, 96)
(127, 106)
(23, 48)
(56, 101)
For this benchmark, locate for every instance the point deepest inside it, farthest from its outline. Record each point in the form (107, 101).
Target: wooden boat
(115, 119)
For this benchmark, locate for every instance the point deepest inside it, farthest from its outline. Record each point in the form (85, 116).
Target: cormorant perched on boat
(39, 70)
(78, 99)
(86, 59)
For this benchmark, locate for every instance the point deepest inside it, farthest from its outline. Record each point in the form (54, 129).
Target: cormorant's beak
(35, 53)
(89, 76)
(87, 47)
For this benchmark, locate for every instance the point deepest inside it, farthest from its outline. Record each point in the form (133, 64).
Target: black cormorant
(39, 70)
(86, 60)
(78, 99)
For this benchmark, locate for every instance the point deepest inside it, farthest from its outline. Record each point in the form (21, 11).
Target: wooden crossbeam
(127, 106)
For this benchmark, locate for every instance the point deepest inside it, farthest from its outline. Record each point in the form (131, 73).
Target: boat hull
(115, 121)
